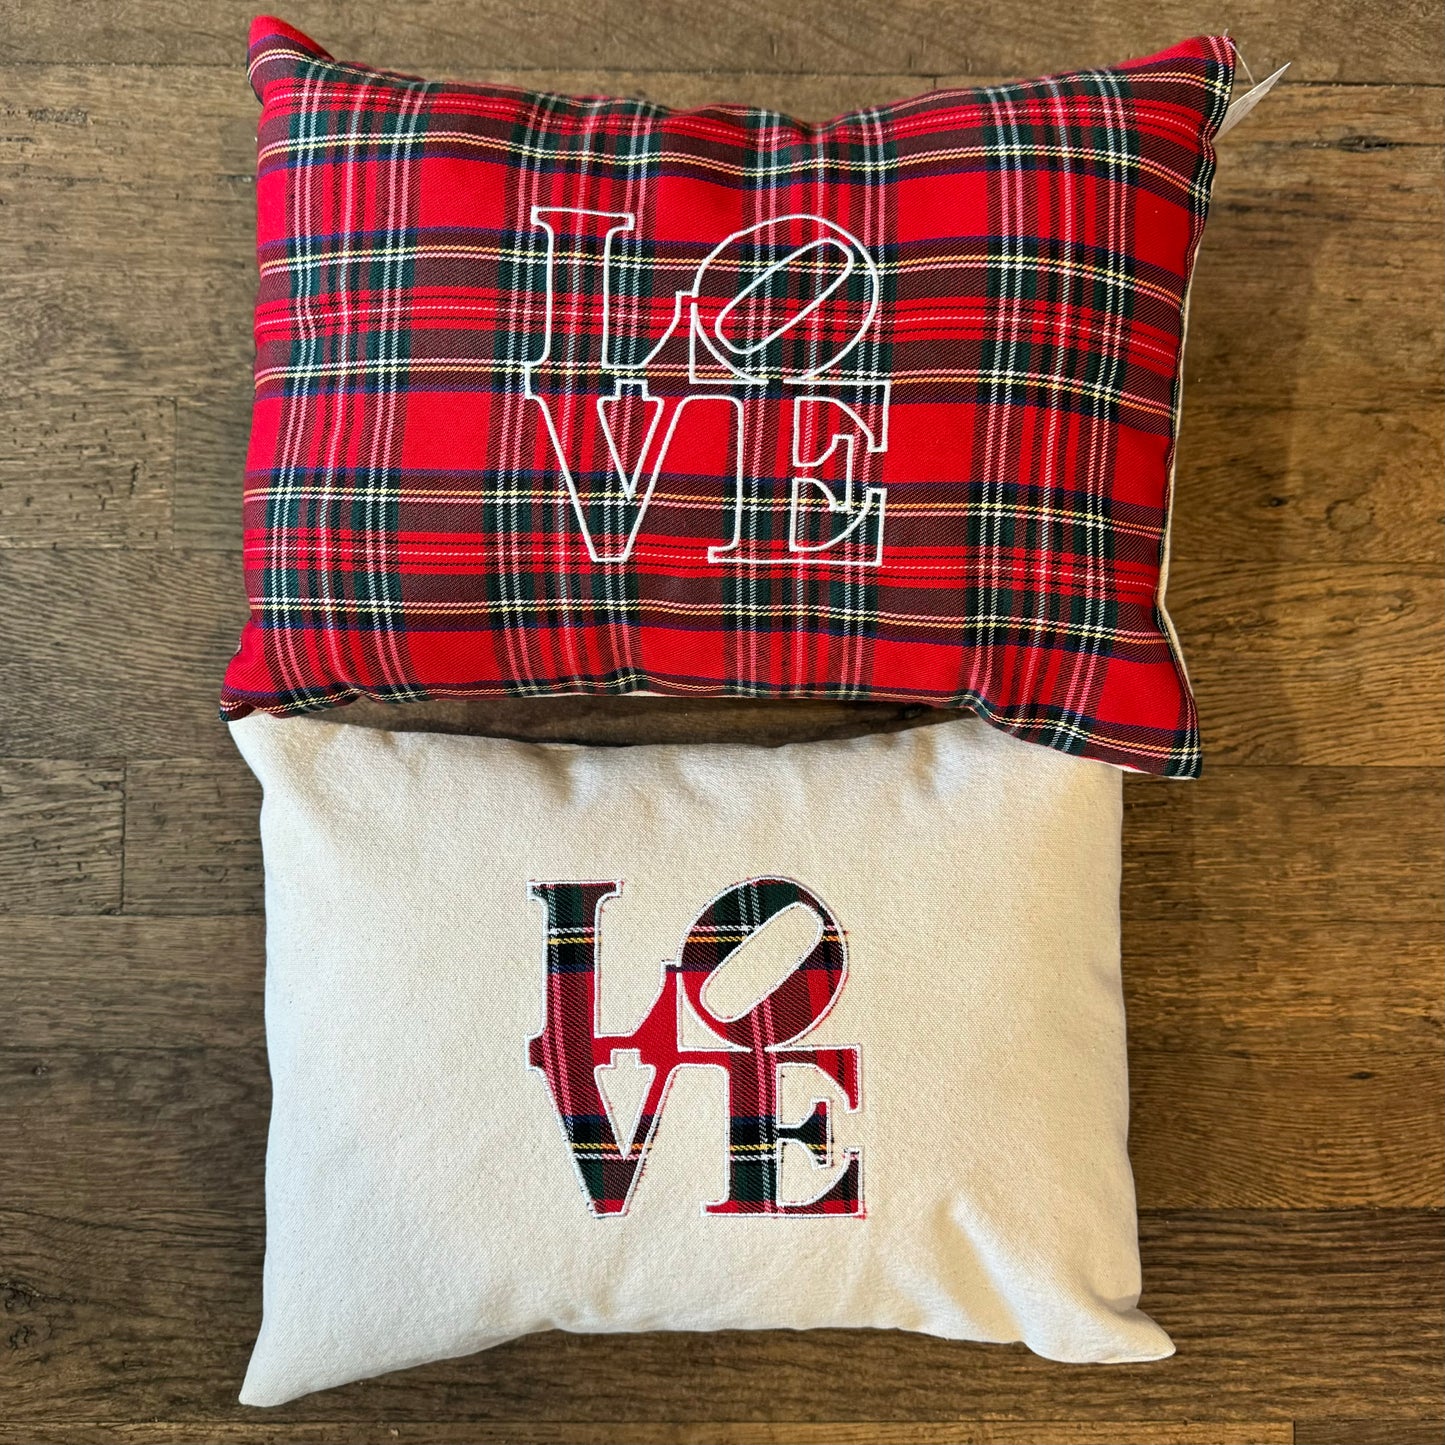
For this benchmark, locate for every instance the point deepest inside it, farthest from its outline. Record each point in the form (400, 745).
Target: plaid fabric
(752, 1048)
(568, 395)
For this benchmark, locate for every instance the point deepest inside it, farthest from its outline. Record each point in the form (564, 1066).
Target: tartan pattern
(453, 488)
(571, 1048)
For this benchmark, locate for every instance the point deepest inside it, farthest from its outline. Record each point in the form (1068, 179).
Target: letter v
(622, 497)
(627, 395)
(572, 1047)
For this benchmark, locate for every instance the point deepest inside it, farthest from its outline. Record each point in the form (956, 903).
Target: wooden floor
(1282, 916)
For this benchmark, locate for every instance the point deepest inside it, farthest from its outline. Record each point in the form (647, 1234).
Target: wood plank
(82, 1120)
(116, 982)
(1270, 1066)
(1286, 484)
(168, 325)
(86, 471)
(1208, 1130)
(1281, 1063)
(734, 1432)
(1274, 1315)
(1280, 1128)
(1286, 844)
(1253, 984)
(170, 807)
(1341, 485)
(1302, 1116)
(1279, 653)
(1258, 982)
(71, 125)
(1330, 40)
(212, 434)
(101, 129)
(1381, 1429)
(1282, 944)
(136, 643)
(130, 659)
(1300, 180)
(1282, 371)
(1280, 843)
(1314, 329)
(60, 836)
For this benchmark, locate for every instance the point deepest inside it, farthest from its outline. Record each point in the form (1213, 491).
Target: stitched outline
(538, 1042)
(852, 1160)
(872, 496)
(637, 1151)
(626, 221)
(854, 247)
(778, 332)
(626, 383)
(686, 986)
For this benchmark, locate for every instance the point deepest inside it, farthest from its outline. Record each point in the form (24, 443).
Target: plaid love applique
(752, 1050)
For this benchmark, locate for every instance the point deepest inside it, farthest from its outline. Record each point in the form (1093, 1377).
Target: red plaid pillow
(589, 395)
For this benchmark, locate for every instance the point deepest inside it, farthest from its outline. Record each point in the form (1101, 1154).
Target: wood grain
(60, 837)
(1283, 843)
(169, 808)
(1331, 40)
(1252, 982)
(1264, 1308)
(1230, 1109)
(1298, 182)
(1225, 1128)
(1243, 950)
(96, 472)
(117, 982)
(1246, 984)
(1334, 485)
(1376, 1430)
(1277, 651)
(1209, 1130)
(130, 656)
(196, 1116)
(1253, 486)
(578, 1432)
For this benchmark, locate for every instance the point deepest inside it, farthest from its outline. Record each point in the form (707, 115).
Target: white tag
(1240, 108)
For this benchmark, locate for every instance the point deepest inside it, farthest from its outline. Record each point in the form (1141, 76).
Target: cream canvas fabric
(704, 1037)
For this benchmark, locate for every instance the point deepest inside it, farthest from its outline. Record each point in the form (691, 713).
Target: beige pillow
(707, 1037)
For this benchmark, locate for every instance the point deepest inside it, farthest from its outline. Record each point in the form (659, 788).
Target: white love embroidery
(725, 367)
